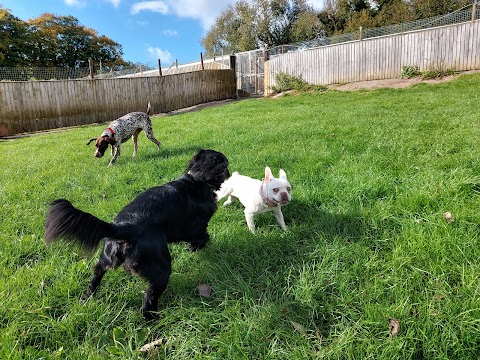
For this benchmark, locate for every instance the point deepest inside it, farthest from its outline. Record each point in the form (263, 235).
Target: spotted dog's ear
(110, 140)
(91, 141)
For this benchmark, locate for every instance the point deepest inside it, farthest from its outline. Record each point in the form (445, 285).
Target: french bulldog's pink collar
(267, 201)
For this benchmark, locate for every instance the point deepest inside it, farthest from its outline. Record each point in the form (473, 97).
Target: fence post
(159, 68)
(361, 32)
(201, 61)
(232, 62)
(90, 65)
(474, 11)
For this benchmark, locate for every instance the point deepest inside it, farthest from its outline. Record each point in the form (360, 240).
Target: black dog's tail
(65, 221)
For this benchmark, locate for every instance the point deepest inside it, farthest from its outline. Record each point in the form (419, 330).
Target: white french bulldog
(258, 196)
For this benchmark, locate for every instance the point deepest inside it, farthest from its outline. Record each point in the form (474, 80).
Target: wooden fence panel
(455, 47)
(42, 105)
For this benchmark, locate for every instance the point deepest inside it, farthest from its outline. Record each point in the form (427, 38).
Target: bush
(286, 82)
(436, 73)
(409, 72)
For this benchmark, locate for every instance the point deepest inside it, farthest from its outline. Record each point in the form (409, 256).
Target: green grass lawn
(373, 173)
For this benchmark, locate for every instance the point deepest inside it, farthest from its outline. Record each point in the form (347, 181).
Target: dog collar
(266, 200)
(111, 131)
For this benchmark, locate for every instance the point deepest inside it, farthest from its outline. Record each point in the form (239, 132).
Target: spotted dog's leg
(117, 153)
(135, 143)
(149, 132)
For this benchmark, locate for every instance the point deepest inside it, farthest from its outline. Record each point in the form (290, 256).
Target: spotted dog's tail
(148, 108)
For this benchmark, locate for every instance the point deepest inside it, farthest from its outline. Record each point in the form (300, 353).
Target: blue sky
(147, 30)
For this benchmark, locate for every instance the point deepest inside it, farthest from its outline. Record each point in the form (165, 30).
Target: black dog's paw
(199, 242)
(196, 246)
(150, 315)
(86, 296)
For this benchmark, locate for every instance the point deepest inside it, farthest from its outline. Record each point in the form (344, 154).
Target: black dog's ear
(91, 141)
(210, 166)
(194, 160)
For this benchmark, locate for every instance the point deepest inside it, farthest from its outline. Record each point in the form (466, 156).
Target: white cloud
(156, 53)
(170, 32)
(203, 10)
(78, 3)
(114, 2)
(154, 6)
(317, 4)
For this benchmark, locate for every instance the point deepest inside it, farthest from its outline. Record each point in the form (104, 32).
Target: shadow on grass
(295, 276)
(164, 152)
(262, 269)
(265, 268)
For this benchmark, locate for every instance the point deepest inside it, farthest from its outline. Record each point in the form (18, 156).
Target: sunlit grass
(373, 172)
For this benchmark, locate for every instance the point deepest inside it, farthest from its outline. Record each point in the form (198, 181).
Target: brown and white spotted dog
(121, 130)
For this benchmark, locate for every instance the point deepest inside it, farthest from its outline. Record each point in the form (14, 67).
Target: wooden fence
(455, 47)
(42, 105)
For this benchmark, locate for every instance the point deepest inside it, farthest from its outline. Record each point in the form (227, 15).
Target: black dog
(177, 211)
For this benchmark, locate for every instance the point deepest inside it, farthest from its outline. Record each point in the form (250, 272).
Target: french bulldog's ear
(268, 174)
(283, 174)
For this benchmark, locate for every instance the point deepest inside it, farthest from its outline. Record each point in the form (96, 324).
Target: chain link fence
(53, 73)
(42, 73)
(462, 15)
(249, 64)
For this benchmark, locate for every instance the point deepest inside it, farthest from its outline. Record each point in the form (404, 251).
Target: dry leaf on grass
(394, 327)
(449, 217)
(300, 328)
(204, 290)
(152, 345)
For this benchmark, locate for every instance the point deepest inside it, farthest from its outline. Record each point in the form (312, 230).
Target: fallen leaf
(204, 290)
(394, 327)
(151, 346)
(298, 327)
(449, 217)
(438, 296)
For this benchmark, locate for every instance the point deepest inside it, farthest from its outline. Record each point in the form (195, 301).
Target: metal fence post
(90, 65)
(232, 62)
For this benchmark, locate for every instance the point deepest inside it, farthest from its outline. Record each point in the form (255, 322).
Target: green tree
(429, 8)
(247, 25)
(62, 41)
(343, 16)
(285, 21)
(232, 31)
(13, 33)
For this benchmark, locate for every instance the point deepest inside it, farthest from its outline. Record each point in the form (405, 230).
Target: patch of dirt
(392, 83)
(197, 107)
